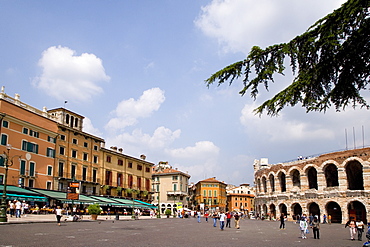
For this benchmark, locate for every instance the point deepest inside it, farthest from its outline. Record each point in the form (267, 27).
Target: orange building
(240, 198)
(28, 138)
(210, 194)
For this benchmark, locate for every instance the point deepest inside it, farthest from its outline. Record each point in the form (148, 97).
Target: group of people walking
(17, 208)
(222, 217)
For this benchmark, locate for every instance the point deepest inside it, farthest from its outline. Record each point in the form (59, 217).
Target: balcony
(177, 193)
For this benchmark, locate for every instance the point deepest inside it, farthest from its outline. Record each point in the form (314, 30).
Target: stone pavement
(47, 218)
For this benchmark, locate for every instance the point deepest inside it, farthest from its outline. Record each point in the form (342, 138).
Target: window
(30, 147)
(4, 139)
(147, 169)
(74, 141)
(63, 137)
(108, 178)
(25, 131)
(74, 153)
(175, 177)
(95, 148)
(86, 144)
(215, 193)
(48, 185)
(32, 169)
(22, 170)
(50, 152)
(119, 179)
(60, 169)
(51, 139)
(84, 173)
(34, 133)
(120, 162)
(94, 175)
(5, 124)
(204, 193)
(129, 164)
(73, 171)
(50, 170)
(95, 159)
(139, 167)
(61, 150)
(174, 187)
(85, 156)
(109, 158)
(31, 183)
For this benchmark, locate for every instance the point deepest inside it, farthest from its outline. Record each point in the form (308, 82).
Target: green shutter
(23, 168)
(4, 139)
(32, 169)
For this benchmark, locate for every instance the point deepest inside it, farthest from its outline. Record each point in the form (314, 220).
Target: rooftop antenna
(65, 102)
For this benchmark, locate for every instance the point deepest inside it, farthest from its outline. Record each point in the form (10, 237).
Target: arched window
(272, 182)
(296, 178)
(312, 178)
(264, 184)
(282, 180)
(331, 175)
(67, 118)
(355, 179)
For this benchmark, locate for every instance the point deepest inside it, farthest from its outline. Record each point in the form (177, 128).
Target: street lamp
(5, 156)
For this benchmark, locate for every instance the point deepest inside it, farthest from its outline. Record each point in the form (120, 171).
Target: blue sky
(136, 71)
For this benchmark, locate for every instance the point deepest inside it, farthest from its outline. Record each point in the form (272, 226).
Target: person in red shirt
(228, 218)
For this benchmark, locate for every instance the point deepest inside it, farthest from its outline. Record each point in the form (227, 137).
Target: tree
(330, 61)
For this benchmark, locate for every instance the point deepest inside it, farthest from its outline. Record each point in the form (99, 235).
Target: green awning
(25, 198)
(130, 203)
(108, 201)
(17, 190)
(146, 204)
(62, 196)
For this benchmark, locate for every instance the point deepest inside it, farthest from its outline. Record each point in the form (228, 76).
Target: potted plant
(94, 210)
(167, 212)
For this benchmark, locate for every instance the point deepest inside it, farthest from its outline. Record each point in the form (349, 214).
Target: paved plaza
(163, 232)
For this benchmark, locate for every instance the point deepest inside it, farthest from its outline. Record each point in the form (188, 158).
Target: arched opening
(67, 118)
(331, 175)
(296, 178)
(283, 209)
(297, 210)
(354, 175)
(272, 212)
(314, 209)
(272, 182)
(264, 184)
(357, 210)
(264, 208)
(259, 185)
(72, 122)
(333, 209)
(312, 178)
(282, 180)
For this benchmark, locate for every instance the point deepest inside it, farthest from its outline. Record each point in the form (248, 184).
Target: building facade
(211, 194)
(240, 198)
(28, 138)
(334, 184)
(170, 187)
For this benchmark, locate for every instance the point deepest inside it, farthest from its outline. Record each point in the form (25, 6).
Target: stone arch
(331, 175)
(272, 182)
(283, 209)
(67, 118)
(282, 180)
(314, 209)
(357, 210)
(334, 210)
(355, 180)
(259, 185)
(312, 178)
(264, 208)
(264, 184)
(296, 209)
(272, 211)
(296, 178)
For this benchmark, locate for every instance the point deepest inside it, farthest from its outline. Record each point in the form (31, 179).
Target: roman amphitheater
(336, 184)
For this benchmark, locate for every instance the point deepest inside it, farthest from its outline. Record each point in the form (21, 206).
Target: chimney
(120, 150)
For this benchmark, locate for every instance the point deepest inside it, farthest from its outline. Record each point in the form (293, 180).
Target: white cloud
(240, 24)
(68, 76)
(201, 150)
(129, 111)
(89, 128)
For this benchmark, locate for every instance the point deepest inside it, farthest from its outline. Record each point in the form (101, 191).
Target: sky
(136, 70)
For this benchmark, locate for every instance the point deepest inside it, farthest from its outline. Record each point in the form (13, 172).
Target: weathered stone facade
(336, 184)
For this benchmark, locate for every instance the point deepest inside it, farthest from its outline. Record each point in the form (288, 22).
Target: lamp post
(5, 156)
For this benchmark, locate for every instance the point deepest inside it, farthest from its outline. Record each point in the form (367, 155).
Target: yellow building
(123, 175)
(78, 155)
(28, 140)
(210, 194)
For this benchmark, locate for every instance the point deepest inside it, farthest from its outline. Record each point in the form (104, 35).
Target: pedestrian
(352, 228)
(329, 219)
(214, 216)
(12, 208)
(206, 214)
(311, 218)
(228, 219)
(237, 220)
(198, 216)
(58, 213)
(360, 229)
(222, 220)
(282, 221)
(316, 228)
(324, 222)
(303, 225)
(18, 208)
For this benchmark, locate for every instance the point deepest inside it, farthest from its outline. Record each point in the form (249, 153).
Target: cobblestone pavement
(166, 232)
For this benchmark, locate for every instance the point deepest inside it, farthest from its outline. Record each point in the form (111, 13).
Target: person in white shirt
(18, 208)
(58, 213)
(222, 220)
